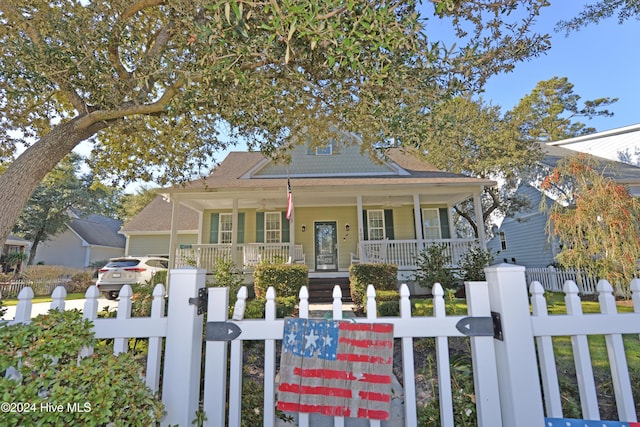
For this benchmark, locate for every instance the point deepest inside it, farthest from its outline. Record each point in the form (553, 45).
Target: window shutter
(213, 233)
(284, 223)
(365, 222)
(240, 227)
(444, 223)
(259, 227)
(388, 224)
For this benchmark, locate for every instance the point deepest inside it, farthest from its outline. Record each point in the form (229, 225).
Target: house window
(325, 150)
(273, 227)
(431, 224)
(503, 241)
(225, 228)
(375, 224)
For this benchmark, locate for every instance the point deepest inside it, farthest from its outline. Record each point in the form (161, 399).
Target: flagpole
(291, 218)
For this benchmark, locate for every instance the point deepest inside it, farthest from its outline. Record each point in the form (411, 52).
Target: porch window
(431, 224)
(375, 224)
(273, 227)
(225, 228)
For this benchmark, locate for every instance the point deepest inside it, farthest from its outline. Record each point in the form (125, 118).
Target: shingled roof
(156, 217)
(236, 172)
(98, 230)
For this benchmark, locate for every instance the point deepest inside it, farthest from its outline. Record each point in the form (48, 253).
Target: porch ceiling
(268, 200)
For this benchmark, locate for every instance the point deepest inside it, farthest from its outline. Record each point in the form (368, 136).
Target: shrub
(473, 263)
(433, 266)
(287, 279)
(381, 276)
(285, 307)
(39, 365)
(160, 277)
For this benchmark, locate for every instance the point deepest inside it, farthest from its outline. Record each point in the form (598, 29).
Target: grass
(14, 301)
(564, 354)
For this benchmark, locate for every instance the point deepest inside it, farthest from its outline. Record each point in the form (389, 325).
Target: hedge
(287, 279)
(381, 276)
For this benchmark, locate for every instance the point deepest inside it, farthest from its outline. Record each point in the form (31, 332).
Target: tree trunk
(22, 176)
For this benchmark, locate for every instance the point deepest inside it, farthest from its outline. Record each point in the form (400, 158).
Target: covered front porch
(402, 253)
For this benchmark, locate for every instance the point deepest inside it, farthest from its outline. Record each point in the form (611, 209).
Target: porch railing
(248, 255)
(404, 253)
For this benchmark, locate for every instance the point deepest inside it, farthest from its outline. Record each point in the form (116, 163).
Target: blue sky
(600, 60)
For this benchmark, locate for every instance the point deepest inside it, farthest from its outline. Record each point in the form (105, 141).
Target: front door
(326, 238)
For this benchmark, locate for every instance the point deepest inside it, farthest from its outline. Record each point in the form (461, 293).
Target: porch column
(452, 226)
(234, 232)
(477, 207)
(173, 237)
(417, 217)
(360, 227)
(200, 221)
(292, 235)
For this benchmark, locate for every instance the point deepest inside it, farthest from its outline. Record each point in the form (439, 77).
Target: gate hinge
(201, 301)
(481, 326)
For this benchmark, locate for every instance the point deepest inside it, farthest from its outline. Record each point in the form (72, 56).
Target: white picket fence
(553, 279)
(508, 372)
(39, 286)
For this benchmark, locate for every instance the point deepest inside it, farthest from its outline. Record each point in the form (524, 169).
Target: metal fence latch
(222, 331)
(481, 326)
(201, 301)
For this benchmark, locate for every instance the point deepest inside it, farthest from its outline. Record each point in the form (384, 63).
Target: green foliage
(473, 262)
(382, 276)
(596, 221)
(287, 279)
(434, 266)
(550, 111)
(3, 309)
(594, 12)
(39, 364)
(463, 395)
(180, 71)
(387, 303)
(160, 277)
(285, 307)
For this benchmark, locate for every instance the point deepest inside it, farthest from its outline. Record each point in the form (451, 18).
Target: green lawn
(14, 301)
(564, 354)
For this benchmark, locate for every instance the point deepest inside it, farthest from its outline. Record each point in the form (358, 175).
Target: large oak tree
(159, 86)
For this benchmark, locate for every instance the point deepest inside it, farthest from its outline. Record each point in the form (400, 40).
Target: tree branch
(131, 109)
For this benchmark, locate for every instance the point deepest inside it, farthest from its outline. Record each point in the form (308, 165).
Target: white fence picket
(582, 356)
(617, 357)
(270, 364)
(410, 410)
(443, 364)
(546, 357)
(215, 379)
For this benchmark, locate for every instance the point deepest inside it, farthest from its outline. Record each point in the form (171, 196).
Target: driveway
(43, 307)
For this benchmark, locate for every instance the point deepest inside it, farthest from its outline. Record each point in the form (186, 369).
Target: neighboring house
(83, 242)
(621, 144)
(13, 245)
(346, 207)
(522, 239)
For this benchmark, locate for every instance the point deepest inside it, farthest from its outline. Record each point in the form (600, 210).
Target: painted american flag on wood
(336, 368)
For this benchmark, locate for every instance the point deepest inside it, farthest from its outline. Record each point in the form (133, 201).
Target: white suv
(126, 271)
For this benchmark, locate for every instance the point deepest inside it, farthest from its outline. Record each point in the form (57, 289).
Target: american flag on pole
(336, 368)
(289, 200)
